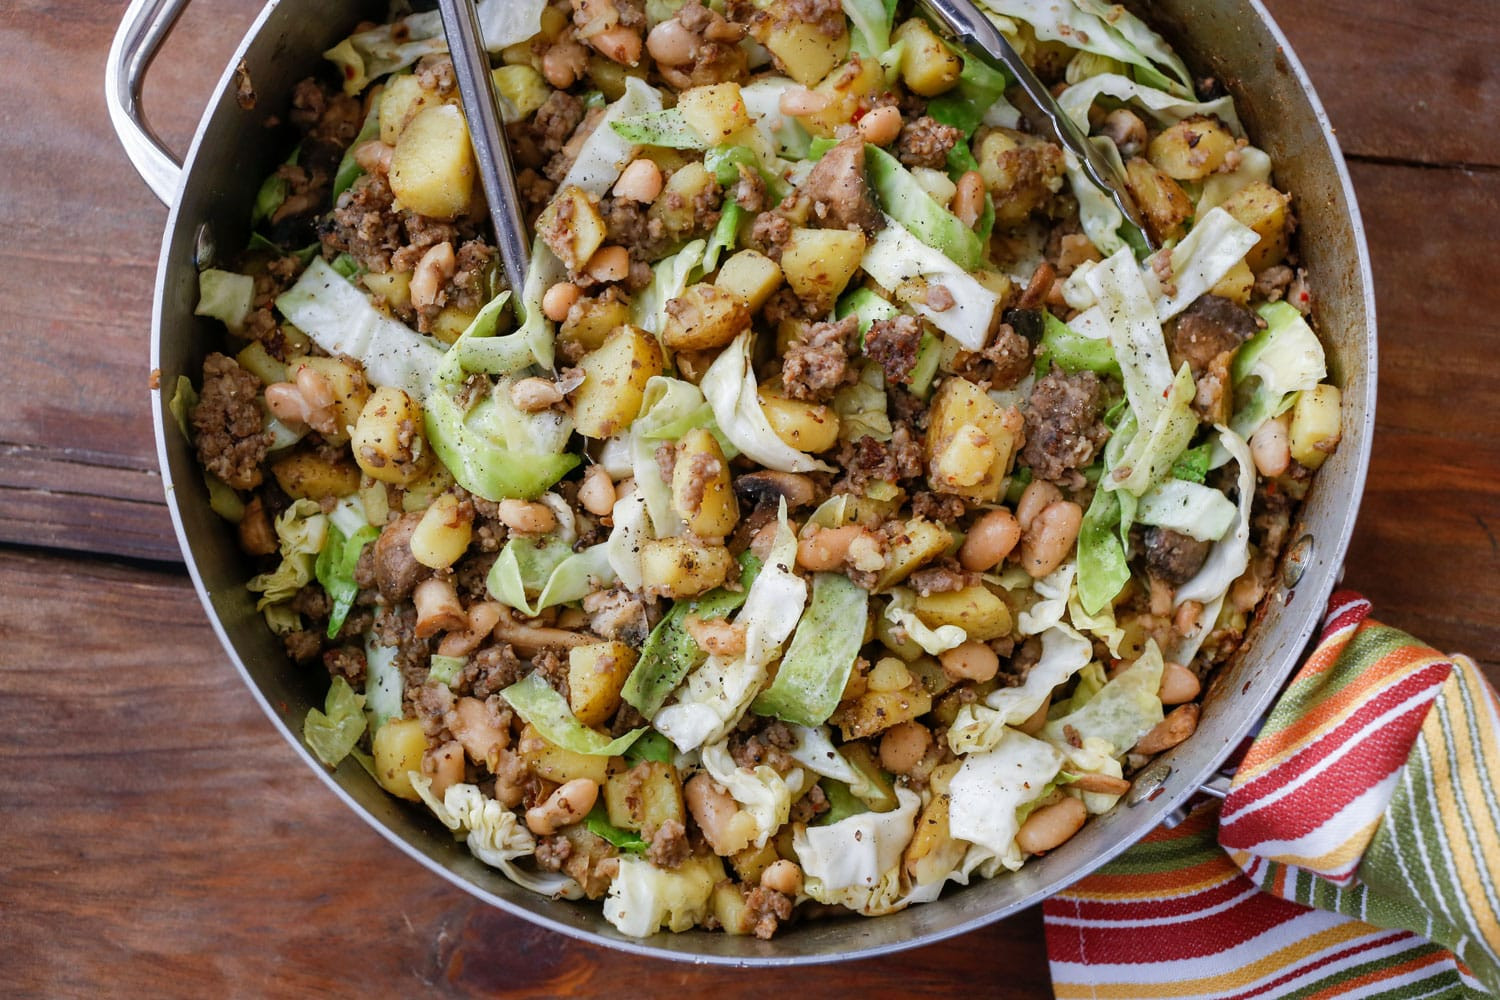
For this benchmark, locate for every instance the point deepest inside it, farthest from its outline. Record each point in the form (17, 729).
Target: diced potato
(880, 794)
(587, 852)
(596, 673)
(1162, 202)
(1022, 174)
(1191, 149)
(1236, 285)
(402, 100)
(446, 528)
(1315, 425)
(921, 542)
(678, 567)
(432, 170)
(752, 862)
(715, 112)
(933, 853)
(931, 673)
(387, 441)
(928, 67)
(676, 207)
(256, 360)
(614, 382)
(876, 711)
(731, 909)
(591, 320)
(420, 492)
(397, 748)
(888, 674)
(809, 427)
(522, 86)
(700, 486)
(971, 441)
(609, 76)
(897, 641)
(752, 276)
(451, 323)
(804, 51)
(393, 286)
(818, 263)
(645, 797)
(547, 760)
(572, 227)
(974, 609)
(346, 380)
(1264, 209)
(704, 317)
(844, 87)
(307, 475)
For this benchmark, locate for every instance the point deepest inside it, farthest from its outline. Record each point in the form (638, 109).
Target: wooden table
(157, 836)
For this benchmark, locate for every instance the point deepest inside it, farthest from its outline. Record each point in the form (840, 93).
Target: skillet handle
(144, 27)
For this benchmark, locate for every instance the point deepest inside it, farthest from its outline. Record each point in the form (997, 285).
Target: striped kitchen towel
(1357, 853)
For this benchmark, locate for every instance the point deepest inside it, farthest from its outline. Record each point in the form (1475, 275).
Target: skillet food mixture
(843, 507)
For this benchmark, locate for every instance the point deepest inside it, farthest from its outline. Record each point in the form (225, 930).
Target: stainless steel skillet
(1233, 40)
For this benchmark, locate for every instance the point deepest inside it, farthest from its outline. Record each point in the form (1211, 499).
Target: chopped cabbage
(1103, 569)
(1187, 508)
(334, 731)
(1205, 255)
(763, 794)
(225, 296)
(644, 898)
(906, 267)
(1145, 457)
(669, 277)
(856, 861)
(479, 350)
(551, 571)
(1164, 108)
(813, 673)
(341, 320)
(781, 134)
(719, 691)
(1053, 590)
(1134, 332)
(605, 152)
(1285, 358)
(535, 701)
(301, 531)
(493, 834)
(979, 727)
(667, 128)
(1124, 709)
(816, 752)
(989, 789)
(730, 388)
(630, 531)
(1229, 556)
(382, 682)
(1096, 756)
(900, 612)
(1097, 27)
(666, 401)
(870, 25)
(862, 406)
(905, 200)
(1254, 166)
(335, 566)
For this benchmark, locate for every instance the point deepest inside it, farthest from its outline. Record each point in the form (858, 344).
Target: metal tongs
(968, 26)
(471, 67)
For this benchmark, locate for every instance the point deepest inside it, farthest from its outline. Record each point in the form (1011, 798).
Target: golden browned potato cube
(1265, 210)
(933, 853)
(752, 276)
(731, 909)
(974, 609)
(402, 99)
(1022, 173)
(596, 673)
(809, 427)
(928, 67)
(700, 486)
(523, 87)
(716, 112)
(750, 863)
(387, 441)
(547, 760)
(921, 542)
(614, 382)
(704, 317)
(572, 227)
(971, 441)
(845, 87)
(450, 324)
(1236, 285)
(1161, 200)
(346, 381)
(1191, 149)
(256, 360)
(679, 567)
(393, 286)
(446, 528)
(876, 711)
(397, 748)
(591, 320)
(677, 205)
(818, 263)
(308, 475)
(645, 797)
(432, 170)
(1315, 429)
(803, 50)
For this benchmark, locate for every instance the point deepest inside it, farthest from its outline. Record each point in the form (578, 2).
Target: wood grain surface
(158, 837)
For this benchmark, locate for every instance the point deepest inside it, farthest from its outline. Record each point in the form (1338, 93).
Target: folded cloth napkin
(1357, 853)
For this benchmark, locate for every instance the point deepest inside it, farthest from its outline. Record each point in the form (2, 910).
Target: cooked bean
(1185, 621)
(597, 492)
(569, 804)
(989, 541)
(1176, 727)
(438, 608)
(671, 44)
(782, 876)
(881, 126)
(1178, 684)
(436, 267)
(482, 620)
(640, 181)
(1051, 826)
(1126, 130)
(373, 157)
(558, 299)
(968, 200)
(257, 537)
(1037, 495)
(797, 101)
(445, 764)
(534, 394)
(903, 746)
(971, 661)
(529, 638)
(714, 811)
(1048, 543)
(564, 63)
(716, 636)
(526, 517)
(1271, 448)
(1105, 784)
(610, 263)
(824, 549)
(619, 44)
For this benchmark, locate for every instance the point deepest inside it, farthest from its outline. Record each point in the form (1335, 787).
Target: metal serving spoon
(471, 67)
(979, 36)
